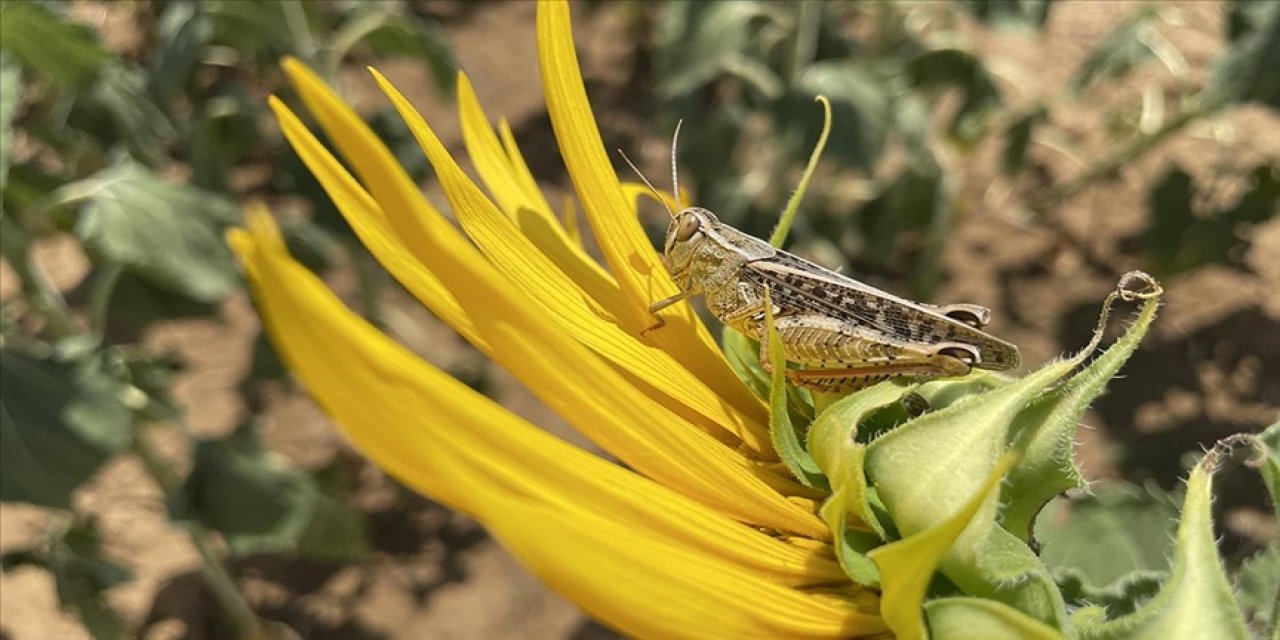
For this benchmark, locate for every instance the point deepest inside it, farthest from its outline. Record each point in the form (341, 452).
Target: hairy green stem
(780, 232)
(299, 30)
(233, 604)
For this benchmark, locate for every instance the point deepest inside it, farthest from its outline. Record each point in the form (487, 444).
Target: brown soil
(1210, 368)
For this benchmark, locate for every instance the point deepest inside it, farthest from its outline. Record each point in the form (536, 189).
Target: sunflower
(721, 520)
(703, 532)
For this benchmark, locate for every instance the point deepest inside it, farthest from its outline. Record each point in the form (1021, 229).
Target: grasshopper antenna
(657, 196)
(675, 176)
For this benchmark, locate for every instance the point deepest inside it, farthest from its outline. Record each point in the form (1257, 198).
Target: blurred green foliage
(911, 98)
(134, 154)
(142, 155)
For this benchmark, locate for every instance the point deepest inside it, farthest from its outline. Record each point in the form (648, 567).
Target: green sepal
(966, 618)
(1045, 432)
(907, 566)
(832, 442)
(1267, 445)
(926, 468)
(786, 439)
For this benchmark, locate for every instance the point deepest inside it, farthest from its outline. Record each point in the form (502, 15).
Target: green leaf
(1247, 70)
(1118, 53)
(1009, 14)
(121, 111)
(169, 234)
(388, 34)
(786, 440)
(912, 201)
(255, 29)
(1045, 432)
(907, 566)
(61, 51)
(263, 506)
(181, 35)
(942, 68)
(10, 91)
(1017, 139)
(224, 131)
(698, 42)
(310, 244)
(980, 619)
(1180, 240)
(59, 421)
(1122, 597)
(81, 576)
(1258, 584)
(1105, 536)
(1196, 601)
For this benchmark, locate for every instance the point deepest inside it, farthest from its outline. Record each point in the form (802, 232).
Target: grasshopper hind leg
(839, 358)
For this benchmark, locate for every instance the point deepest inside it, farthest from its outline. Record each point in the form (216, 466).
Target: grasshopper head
(683, 236)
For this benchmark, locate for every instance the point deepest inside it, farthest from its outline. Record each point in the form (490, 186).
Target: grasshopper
(845, 335)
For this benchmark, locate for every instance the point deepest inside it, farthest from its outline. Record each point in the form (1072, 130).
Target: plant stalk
(241, 616)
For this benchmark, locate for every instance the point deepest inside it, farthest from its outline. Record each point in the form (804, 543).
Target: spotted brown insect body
(844, 334)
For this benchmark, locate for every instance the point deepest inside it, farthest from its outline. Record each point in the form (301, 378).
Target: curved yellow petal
(563, 302)
(633, 191)
(524, 177)
(374, 230)
(435, 434)
(418, 224)
(631, 258)
(670, 592)
(532, 214)
(570, 379)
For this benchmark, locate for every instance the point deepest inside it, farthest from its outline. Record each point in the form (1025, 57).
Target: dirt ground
(1210, 368)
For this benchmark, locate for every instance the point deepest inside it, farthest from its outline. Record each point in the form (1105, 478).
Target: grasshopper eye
(687, 226)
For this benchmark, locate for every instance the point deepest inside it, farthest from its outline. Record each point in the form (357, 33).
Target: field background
(1211, 366)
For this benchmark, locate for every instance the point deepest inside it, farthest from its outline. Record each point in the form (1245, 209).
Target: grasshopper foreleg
(659, 321)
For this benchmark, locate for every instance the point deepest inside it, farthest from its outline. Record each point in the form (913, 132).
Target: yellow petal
(633, 191)
(670, 592)
(569, 219)
(374, 230)
(524, 177)
(490, 158)
(596, 399)
(631, 258)
(533, 215)
(433, 432)
(562, 300)
(417, 223)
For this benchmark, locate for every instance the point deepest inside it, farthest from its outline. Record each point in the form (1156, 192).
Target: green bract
(940, 510)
